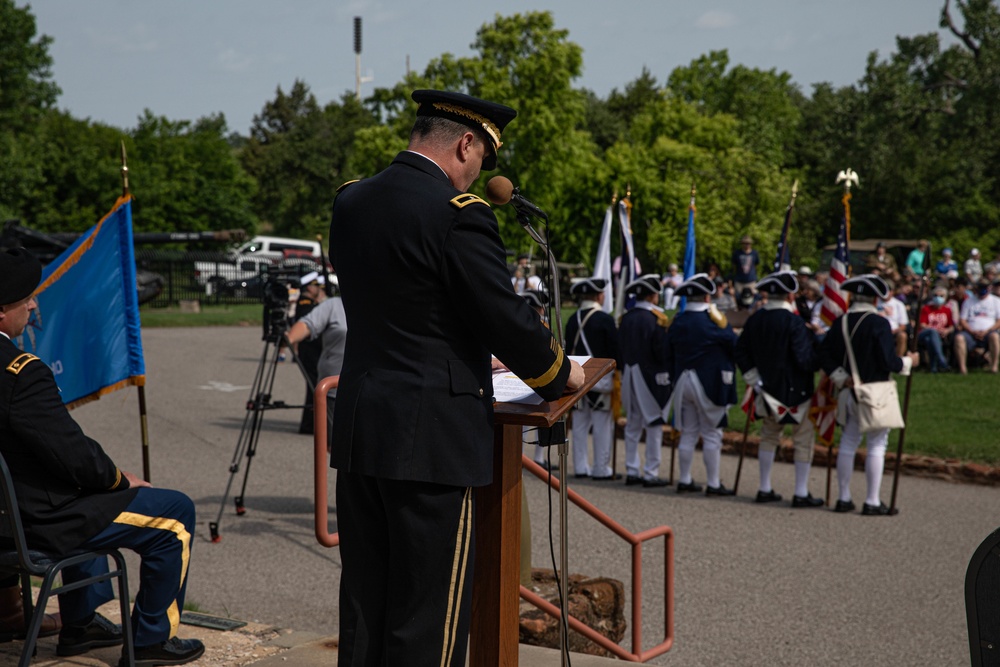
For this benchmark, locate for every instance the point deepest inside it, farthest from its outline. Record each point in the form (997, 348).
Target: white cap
(312, 276)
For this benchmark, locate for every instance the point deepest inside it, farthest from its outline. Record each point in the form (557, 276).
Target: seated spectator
(915, 260)
(895, 311)
(973, 267)
(936, 329)
(882, 263)
(671, 281)
(723, 298)
(995, 265)
(959, 293)
(979, 322)
(947, 267)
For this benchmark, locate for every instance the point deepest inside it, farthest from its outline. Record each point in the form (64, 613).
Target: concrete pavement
(754, 584)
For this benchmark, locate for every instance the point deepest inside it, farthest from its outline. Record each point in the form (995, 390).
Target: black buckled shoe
(844, 506)
(690, 487)
(719, 490)
(767, 497)
(174, 651)
(874, 510)
(655, 482)
(806, 501)
(632, 480)
(606, 478)
(77, 639)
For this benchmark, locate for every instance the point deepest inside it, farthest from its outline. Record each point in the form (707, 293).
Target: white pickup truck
(249, 260)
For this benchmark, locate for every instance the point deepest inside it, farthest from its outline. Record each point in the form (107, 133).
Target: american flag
(834, 299)
(823, 410)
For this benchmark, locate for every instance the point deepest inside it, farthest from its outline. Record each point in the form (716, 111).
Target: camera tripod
(275, 333)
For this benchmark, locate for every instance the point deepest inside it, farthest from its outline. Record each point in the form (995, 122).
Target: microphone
(500, 191)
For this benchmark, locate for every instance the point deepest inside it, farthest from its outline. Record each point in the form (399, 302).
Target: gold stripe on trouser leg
(458, 568)
(176, 527)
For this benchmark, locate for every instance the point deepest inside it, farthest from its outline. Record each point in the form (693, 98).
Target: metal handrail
(636, 540)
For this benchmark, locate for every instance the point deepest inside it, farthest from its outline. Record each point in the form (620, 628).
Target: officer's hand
(133, 481)
(915, 357)
(576, 376)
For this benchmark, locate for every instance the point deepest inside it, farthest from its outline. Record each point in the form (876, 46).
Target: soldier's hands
(133, 481)
(915, 357)
(576, 376)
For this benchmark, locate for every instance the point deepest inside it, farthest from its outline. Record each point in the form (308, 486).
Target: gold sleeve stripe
(549, 375)
(20, 362)
(344, 185)
(118, 480)
(463, 200)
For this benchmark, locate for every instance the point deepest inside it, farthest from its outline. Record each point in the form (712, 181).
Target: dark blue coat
(781, 348)
(873, 344)
(643, 342)
(601, 333)
(696, 342)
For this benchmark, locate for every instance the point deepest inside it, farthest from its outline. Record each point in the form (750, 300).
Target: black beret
(20, 272)
(697, 285)
(535, 298)
(488, 117)
(644, 285)
(867, 284)
(588, 286)
(781, 282)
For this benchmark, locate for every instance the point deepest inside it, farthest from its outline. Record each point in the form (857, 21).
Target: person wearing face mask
(980, 323)
(936, 328)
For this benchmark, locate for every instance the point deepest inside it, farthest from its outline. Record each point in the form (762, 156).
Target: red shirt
(936, 317)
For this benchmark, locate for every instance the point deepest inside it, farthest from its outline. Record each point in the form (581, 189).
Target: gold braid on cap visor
(487, 124)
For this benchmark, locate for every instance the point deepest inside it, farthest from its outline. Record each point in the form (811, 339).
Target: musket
(909, 382)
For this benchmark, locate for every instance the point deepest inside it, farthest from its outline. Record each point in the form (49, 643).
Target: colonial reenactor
(875, 353)
(701, 346)
(73, 497)
(778, 357)
(413, 422)
(538, 300)
(592, 332)
(642, 338)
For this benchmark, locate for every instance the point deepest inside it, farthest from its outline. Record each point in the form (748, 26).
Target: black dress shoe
(551, 467)
(844, 506)
(581, 475)
(77, 639)
(690, 487)
(632, 480)
(656, 481)
(719, 490)
(806, 501)
(767, 497)
(174, 651)
(606, 478)
(874, 510)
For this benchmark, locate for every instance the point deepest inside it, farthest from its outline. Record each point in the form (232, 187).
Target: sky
(186, 59)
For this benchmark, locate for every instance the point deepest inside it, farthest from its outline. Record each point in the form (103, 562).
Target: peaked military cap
(488, 117)
(588, 286)
(644, 285)
(536, 298)
(697, 285)
(867, 284)
(20, 272)
(779, 282)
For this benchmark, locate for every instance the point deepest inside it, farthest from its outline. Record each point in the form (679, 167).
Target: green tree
(26, 89)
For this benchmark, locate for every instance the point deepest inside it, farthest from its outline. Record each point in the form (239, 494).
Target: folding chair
(25, 562)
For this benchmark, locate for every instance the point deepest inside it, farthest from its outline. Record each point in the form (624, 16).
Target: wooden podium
(493, 640)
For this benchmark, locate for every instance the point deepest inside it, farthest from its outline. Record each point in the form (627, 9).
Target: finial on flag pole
(795, 191)
(848, 176)
(124, 170)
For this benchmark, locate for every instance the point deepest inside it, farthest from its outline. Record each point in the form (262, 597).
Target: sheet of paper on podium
(508, 388)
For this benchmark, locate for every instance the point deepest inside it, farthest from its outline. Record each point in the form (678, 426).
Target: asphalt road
(754, 585)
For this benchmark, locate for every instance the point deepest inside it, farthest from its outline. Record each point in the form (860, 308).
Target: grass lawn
(210, 316)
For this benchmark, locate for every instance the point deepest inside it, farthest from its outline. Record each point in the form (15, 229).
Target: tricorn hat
(536, 298)
(20, 272)
(697, 285)
(489, 118)
(867, 284)
(780, 282)
(644, 285)
(588, 286)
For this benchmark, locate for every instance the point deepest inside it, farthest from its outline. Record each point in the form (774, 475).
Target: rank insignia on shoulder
(344, 185)
(463, 200)
(20, 362)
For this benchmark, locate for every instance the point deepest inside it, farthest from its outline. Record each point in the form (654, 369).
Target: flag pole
(143, 422)
(848, 176)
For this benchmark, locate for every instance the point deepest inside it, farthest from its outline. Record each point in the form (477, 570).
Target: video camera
(274, 295)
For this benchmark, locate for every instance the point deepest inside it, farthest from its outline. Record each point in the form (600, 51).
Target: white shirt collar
(4, 335)
(587, 304)
(779, 305)
(432, 161)
(645, 305)
(859, 307)
(696, 307)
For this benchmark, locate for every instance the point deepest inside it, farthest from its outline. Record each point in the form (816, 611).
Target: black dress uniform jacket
(778, 344)
(872, 342)
(695, 341)
(428, 297)
(68, 489)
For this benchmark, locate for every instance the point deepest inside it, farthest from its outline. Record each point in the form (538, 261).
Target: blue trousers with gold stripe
(406, 584)
(157, 525)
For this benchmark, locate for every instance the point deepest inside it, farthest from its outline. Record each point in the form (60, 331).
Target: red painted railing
(636, 540)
